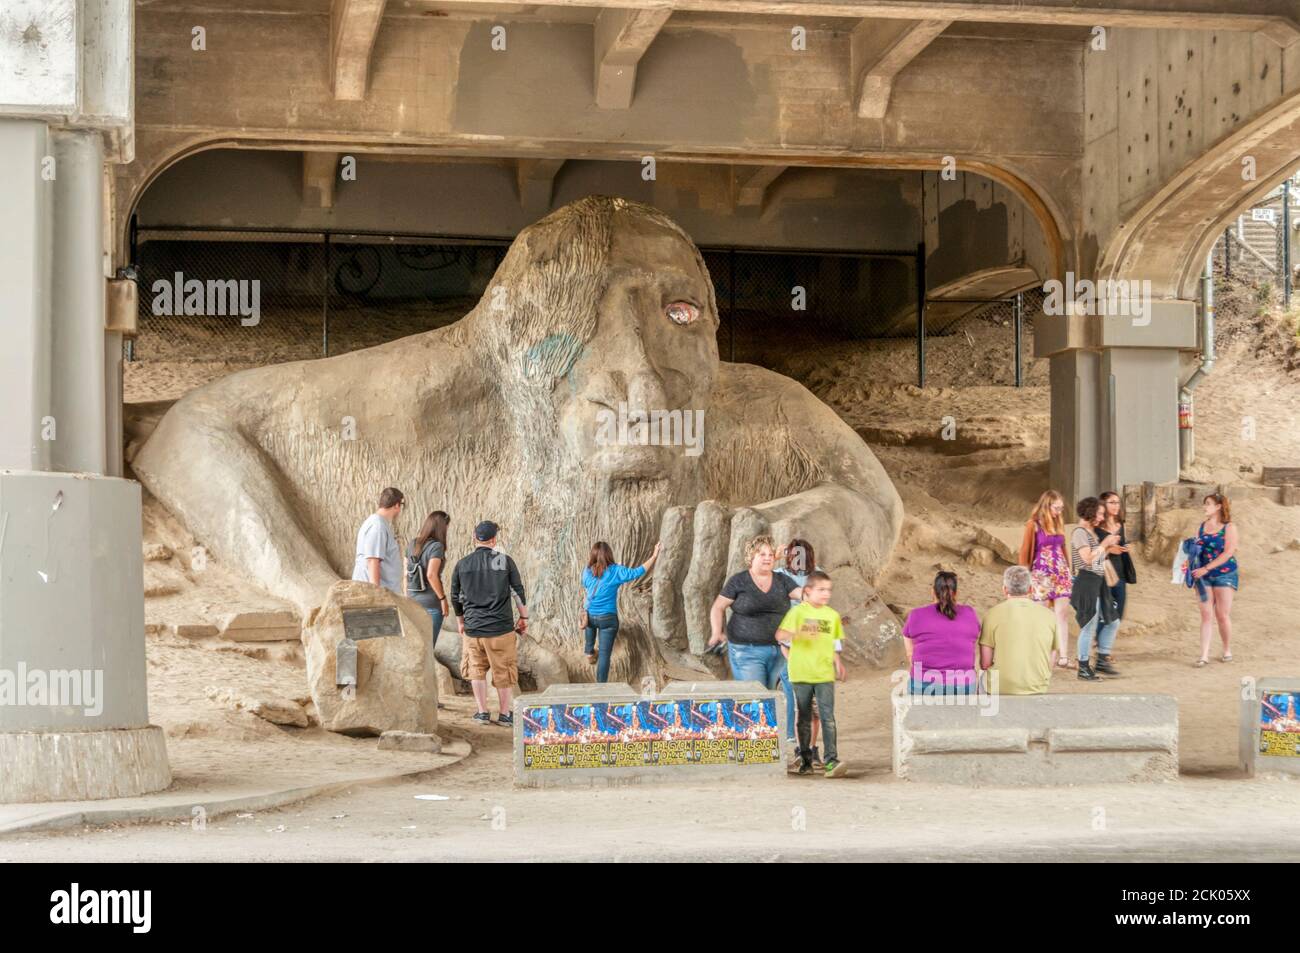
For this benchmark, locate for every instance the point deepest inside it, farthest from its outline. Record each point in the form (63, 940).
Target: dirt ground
(966, 499)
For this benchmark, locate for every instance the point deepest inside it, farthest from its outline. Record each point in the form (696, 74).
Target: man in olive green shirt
(1018, 640)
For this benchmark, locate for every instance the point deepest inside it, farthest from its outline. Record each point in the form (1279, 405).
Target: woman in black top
(1112, 524)
(759, 599)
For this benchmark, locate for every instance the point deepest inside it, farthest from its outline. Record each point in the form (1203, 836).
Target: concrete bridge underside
(1119, 133)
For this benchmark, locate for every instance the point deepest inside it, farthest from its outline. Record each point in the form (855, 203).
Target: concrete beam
(1166, 239)
(1271, 17)
(622, 37)
(750, 183)
(320, 171)
(353, 27)
(536, 180)
(879, 49)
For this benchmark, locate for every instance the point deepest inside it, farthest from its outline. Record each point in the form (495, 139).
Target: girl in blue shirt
(601, 581)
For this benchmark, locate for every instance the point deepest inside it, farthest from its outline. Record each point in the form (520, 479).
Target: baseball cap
(485, 530)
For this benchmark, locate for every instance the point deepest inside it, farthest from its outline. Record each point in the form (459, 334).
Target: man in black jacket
(481, 585)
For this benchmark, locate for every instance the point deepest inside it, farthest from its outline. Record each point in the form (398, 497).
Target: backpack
(416, 579)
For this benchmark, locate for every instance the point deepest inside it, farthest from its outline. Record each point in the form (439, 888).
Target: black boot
(1086, 673)
(1104, 665)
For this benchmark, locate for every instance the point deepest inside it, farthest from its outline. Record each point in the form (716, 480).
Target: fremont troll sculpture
(581, 399)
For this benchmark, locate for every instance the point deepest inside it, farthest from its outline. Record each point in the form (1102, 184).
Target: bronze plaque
(374, 623)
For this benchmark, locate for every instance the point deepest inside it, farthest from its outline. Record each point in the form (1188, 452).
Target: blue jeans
(1105, 638)
(1120, 593)
(435, 614)
(606, 626)
(763, 664)
(789, 701)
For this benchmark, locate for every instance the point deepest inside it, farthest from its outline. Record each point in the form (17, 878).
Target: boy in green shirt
(814, 635)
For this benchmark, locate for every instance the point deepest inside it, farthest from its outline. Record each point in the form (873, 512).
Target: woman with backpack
(424, 568)
(601, 581)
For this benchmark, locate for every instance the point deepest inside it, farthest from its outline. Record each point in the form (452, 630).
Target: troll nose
(645, 393)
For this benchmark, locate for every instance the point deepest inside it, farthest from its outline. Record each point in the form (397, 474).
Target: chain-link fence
(250, 297)
(268, 297)
(1254, 260)
(773, 302)
(972, 343)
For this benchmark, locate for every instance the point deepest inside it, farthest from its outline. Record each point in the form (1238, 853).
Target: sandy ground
(965, 498)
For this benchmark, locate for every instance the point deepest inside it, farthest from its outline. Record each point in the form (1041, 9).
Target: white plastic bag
(1179, 575)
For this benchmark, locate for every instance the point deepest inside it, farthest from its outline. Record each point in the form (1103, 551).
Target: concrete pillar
(25, 211)
(74, 718)
(1075, 457)
(1114, 385)
(77, 369)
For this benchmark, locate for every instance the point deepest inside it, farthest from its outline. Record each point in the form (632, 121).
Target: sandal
(1226, 658)
(1202, 662)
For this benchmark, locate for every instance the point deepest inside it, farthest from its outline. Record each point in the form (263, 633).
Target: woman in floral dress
(1042, 550)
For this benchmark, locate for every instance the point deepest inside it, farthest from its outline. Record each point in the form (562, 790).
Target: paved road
(867, 816)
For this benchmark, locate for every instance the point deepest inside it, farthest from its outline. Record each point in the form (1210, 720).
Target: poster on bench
(1279, 724)
(651, 733)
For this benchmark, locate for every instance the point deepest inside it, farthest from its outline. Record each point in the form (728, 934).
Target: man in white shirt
(379, 558)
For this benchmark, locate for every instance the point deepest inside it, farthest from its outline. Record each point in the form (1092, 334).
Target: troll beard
(562, 515)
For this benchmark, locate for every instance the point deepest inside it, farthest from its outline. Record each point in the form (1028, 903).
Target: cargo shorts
(496, 652)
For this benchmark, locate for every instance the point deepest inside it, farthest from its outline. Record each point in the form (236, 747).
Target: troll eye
(682, 312)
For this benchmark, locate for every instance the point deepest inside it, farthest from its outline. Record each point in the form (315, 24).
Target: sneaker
(506, 719)
(481, 718)
(805, 767)
(817, 758)
(1104, 666)
(836, 769)
(1087, 674)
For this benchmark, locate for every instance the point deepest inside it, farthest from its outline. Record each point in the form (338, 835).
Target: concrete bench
(585, 733)
(1270, 726)
(1036, 739)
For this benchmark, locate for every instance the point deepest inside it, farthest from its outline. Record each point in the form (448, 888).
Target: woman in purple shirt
(940, 640)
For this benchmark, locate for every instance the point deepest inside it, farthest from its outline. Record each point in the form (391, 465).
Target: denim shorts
(1215, 580)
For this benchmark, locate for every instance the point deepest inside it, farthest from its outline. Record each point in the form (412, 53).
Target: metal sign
(377, 622)
(1262, 215)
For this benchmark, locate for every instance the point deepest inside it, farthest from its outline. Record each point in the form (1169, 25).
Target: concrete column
(1141, 425)
(74, 716)
(25, 211)
(1075, 456)
(1114, 384)
(77, 303)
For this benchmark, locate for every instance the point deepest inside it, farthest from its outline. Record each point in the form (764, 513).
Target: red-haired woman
(1215, 573)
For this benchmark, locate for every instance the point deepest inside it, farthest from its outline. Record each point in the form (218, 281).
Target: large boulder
(396, 688)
